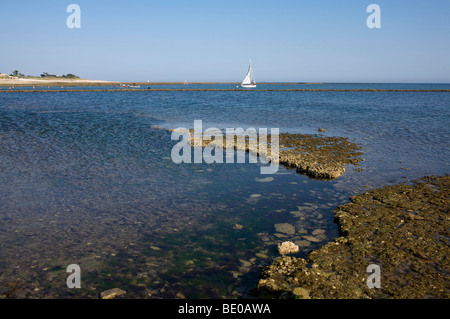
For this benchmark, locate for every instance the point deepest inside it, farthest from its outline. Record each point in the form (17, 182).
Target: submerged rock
(315, 155)
(302, 243)
(285, 228)
(112, 293)
(318, 232)
(311, 238)
(261, 255)
(318, 156)
(265, 180)
(245, 263)
(301, 293)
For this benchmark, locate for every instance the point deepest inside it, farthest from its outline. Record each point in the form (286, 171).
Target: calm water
(86, 178)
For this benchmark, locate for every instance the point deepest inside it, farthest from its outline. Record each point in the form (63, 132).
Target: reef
(318, 156)
(315, 155)
(402, 229)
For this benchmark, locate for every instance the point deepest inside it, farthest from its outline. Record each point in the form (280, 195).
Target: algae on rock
(404, 229)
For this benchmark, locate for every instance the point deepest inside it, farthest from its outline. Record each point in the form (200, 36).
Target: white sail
(249, 81)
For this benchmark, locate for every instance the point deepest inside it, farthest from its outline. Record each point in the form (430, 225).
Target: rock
(318, 232)
(312, 238)
(296, 214)
(112, 293)
(285, 228)
(265, 180)
(322, 237)
(261, 255)
(245, 263)
(263, 236)
(315, 155)
(302, 243)
(305, 209)
(287, 247)
(369, 226)
(301, 293)
(255, 195)
(238, 227)
(180, 295)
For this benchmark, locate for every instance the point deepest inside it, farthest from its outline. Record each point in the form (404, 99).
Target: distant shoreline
(214, 90)
(85, 82)
(53, 82)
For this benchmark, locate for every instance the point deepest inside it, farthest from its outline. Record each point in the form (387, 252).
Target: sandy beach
(52, 82)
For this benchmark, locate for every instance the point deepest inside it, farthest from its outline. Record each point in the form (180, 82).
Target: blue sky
(207, 40)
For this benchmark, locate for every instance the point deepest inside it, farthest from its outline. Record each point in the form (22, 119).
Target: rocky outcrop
(317, 156)
(403, 229)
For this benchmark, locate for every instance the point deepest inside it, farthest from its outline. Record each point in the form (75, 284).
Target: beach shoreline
(42, 82)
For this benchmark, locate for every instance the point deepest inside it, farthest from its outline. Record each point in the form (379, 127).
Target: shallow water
(86, 178)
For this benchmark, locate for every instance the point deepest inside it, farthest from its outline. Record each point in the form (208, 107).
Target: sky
(212, 41)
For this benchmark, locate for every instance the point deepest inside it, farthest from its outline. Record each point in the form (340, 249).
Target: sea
(87, 179)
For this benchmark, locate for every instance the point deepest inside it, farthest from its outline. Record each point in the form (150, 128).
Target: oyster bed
(402, 228)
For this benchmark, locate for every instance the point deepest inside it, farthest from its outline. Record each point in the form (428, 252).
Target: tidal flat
(403, 229)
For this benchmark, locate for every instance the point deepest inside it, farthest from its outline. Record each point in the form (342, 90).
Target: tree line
(46, 75)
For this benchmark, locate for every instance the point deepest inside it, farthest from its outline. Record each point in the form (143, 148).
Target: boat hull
(248, 86)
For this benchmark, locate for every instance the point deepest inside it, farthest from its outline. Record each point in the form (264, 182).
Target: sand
(52, 82)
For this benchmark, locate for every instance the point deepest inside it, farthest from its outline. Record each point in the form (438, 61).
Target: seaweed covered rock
(315, 155)
(318, 156)
(404, 229)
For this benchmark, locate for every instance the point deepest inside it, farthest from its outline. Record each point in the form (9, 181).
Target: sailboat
(249, 81)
